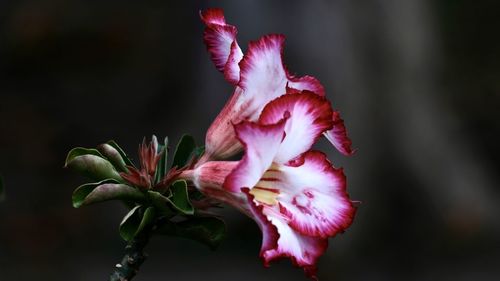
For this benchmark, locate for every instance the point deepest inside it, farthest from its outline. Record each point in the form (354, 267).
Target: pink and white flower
(259, 76)
(295, 195)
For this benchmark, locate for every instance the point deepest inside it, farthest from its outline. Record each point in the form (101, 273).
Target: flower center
(265, 190)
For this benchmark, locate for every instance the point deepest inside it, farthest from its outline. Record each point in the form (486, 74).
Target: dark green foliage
(180, 197)
(167, 210)
(92, 164)
(183, 151)
(105, 190)
(114, 156)
(122, 153)
(162, 169)
(207, 230)
(135, 221)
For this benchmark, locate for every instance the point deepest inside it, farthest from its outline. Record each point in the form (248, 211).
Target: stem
(133, 258)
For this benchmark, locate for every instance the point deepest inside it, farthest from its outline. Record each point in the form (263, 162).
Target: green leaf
(147, 219)
(207, 230)
(114, 156)
(122, 153)
(79, 151)
(198, 151)
(180, 197)
(105, 190)
(92, 164)
(183, 151)
(161, 203)
(162, 167)
(130, 224)
(136, 221)
(2, 190)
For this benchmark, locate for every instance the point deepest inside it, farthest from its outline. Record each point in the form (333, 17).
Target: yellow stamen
(264, 195)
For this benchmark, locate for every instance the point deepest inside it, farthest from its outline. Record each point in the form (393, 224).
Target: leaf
(161, 203)
(180, 197)
(92, 164)
(129, 224)
(105, 190)
(162, 167)
(183, 151)
(114, 156)
(136, 221)
(122, 153)
(147, 219)
(79, 151)
(2, 190)
(207, 230)
(198, 152)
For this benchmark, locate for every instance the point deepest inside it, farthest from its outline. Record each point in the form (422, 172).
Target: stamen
(264, 195)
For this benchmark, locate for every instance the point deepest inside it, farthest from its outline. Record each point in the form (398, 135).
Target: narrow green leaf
(92, 164)
(162, 167)
(2, 190)
(105, 190)
(130, 224)
(180, 197)
(207, 230)
(113, 156)
(122, 153)
(136, 221)
(183, 151)
(198, 151)
(161, 203)
(147, 219)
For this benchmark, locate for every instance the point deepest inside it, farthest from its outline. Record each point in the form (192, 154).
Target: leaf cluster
(167, 211)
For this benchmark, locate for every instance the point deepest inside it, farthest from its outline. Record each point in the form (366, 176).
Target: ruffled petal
(307, 82)
(270, 234)
(310, 116)
(232, 68)
(263, 77)
(304, 251)
(281, 241)
(220, 39)
(338, 135)
(261, 145)
(313, 196)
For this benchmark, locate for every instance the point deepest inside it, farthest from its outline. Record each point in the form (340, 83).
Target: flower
(295, 195)
(144, 178)
(259, 76)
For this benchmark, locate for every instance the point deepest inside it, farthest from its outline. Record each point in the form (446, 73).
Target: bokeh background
(417, 83)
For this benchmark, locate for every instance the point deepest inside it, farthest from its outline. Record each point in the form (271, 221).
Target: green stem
(132, 260)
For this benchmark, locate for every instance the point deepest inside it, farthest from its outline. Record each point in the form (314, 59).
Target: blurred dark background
(417, 83)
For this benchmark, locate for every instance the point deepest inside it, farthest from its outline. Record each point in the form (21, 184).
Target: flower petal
(338, 135)
(263, 76)
(220, 140)
(270, 234)
(310, 116)
(261, 145)
(304, 251)
(220, 39)
(313, 196)
(232, 68)
(280, 241)
(306, 83)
